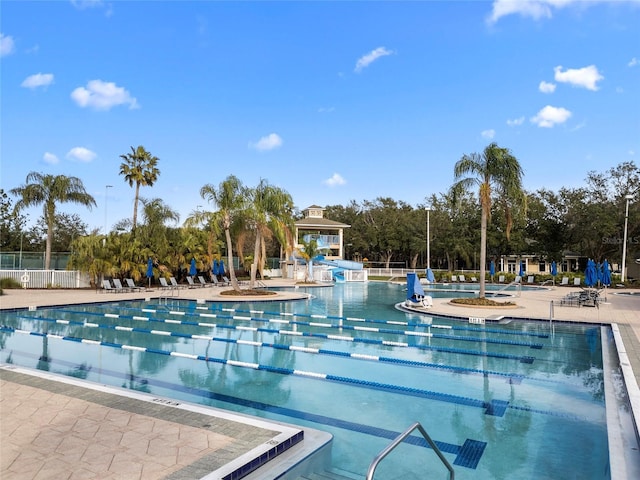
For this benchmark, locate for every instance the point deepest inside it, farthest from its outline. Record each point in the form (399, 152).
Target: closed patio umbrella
(430, 276)
(521, 272)
(606, 277)
(590, 274)
(492, 269)
(215, 269)
(192, 269)
(221, 268)
(149, 270)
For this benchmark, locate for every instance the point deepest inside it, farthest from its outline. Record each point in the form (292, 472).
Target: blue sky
(332, 101)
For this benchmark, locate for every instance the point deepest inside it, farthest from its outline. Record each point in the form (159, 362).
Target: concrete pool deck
(49, 426)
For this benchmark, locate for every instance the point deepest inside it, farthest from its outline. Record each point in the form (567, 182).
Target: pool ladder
(398, 440)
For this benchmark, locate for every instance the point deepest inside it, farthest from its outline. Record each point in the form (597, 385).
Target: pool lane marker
(493, 408)
(467, 455)
(521, 358)
(356, 328)
(512, 378)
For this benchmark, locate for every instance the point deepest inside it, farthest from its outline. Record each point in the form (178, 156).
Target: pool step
(332, 474)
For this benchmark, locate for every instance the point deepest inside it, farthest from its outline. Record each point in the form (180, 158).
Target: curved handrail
(398, 440)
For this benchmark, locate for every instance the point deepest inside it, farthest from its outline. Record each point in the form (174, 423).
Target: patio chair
(132, 286)
(454, 278)
(565, 281)
(175, 284)
(226, 281)
(576, 282)
(474, 279)
(192, 284)
(462, 278)
(203, 282)
(117, 284)
(530, 279)
(106, 286)
(501, 279)
(518, 279)
(164, 285)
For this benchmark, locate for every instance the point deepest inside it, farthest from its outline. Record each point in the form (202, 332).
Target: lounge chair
(175, 284)
(530, 279)
(192, 284)
(117, 284)
(518, 279)
(203, 282)
(474, 279)
(106, 286)
(501, 279)
(226, 281)
(461, 278)
(164, 285)
(565, 281)
(576, 281)
(132, 286)
(454, 278)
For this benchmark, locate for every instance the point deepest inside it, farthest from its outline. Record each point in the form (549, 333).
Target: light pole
(624, 240)
(106, 194)
(428, 209)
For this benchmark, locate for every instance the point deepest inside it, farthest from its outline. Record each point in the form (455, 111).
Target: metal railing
(372, 468)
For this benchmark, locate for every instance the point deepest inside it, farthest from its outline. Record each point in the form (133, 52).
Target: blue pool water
(500, 400)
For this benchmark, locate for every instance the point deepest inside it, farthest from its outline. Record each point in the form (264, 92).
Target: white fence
(48, 278)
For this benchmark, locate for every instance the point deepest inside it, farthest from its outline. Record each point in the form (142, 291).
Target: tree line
(485, 213)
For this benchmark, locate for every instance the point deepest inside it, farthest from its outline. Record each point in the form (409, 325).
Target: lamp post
(428, 209)
(106, 193)
(624, 240)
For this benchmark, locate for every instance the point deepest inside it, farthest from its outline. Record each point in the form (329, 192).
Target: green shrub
(9, 283)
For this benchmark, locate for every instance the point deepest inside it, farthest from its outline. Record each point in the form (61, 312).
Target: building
(327, 233)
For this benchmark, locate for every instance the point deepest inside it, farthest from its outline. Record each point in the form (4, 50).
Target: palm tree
(230, 197)
(271, 212)
(495, 170)
(49, 190)
(309, 251)
(139, 168)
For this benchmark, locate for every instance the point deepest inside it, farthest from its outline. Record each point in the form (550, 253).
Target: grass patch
(482, 302)
(247, 293)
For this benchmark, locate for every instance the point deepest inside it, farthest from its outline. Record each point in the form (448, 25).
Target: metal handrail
(398, 440)
(518, 286)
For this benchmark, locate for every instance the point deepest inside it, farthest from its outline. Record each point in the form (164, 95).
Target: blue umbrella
(221, 266)
(590, 274)
(192, 268)
(430, 276)
(606, 273)
(554, 268)
(215, 270)
(521, 273)
(492, 269)
(149, 270)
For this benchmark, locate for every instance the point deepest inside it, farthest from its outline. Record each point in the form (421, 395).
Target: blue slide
(339, 266)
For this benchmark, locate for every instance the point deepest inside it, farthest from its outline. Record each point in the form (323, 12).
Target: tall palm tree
(270, 211)
(230, 197)
(140, 169)
(309, 251)
(493, 171)
(50, 190)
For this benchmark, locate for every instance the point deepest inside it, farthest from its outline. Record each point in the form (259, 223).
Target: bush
(9, 283)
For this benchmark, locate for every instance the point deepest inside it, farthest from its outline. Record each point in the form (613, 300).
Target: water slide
(338, 266)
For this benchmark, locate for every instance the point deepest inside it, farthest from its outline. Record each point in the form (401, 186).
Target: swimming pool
(501, 400)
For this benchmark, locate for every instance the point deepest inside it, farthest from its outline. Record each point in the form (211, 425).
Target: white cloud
(488, 133)
(335, 180)
(585, 77)
(270, 142)
(50, 158)
(538, 9)
(326, 109)
(633, 62)
(37, 80)
(546, 87)
(550, 116)
(81, 154)
(515, 122)
(7, 45)
(371, 57)
(83, 4)
(103, 96)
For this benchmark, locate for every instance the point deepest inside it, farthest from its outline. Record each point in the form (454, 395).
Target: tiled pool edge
(629, 378)
(285, 435)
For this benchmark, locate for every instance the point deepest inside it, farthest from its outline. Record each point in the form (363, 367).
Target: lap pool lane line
(467, 455)
(520, 358)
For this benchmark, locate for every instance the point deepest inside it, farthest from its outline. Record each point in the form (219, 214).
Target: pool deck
(58, 427)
